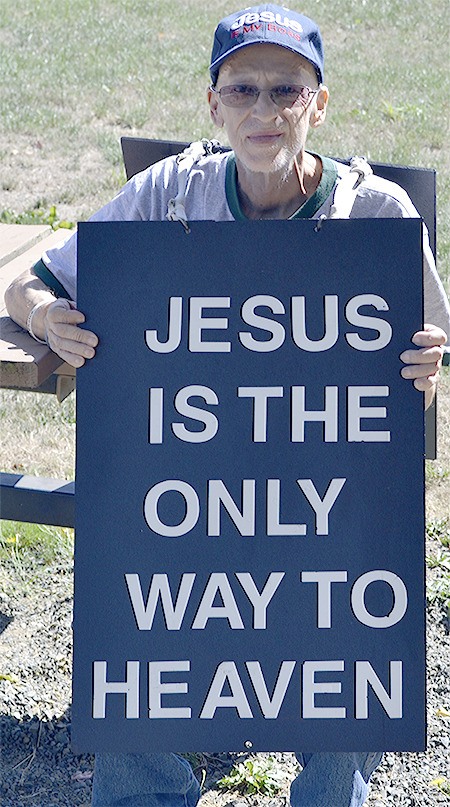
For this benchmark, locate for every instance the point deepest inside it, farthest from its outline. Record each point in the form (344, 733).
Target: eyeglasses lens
(244, 95)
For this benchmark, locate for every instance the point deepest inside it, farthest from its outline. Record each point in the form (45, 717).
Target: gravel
(37, 765)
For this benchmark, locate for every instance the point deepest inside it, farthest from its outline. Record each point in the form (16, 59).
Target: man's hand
(424, 362)
(64, 336)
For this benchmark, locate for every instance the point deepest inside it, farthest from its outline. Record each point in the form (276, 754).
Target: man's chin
(265, 161)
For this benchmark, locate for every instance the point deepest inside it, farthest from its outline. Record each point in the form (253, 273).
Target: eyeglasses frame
(271, 90)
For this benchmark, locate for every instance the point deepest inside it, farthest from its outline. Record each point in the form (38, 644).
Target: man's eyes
(244, 89)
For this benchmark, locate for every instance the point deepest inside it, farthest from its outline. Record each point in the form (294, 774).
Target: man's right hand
(64, 336)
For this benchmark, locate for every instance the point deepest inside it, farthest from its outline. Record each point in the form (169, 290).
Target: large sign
(249, 547)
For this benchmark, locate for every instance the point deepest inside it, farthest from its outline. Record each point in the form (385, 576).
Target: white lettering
(260, 601)
(365, 675)
(191, 503)
(382, 327)
(198, 323)
(183, 407)
(144, 613)
(102, 688)
(156, 689)
(274, 327)
(270, 707)
(244, 519)
(226, 673)
(218, 583)
(300, 415)
(331, 324)
(155, 415)
(274, 525)
(400, 599)
(174, 329)
(320, 506)
(356, 412)
(311, 688)
(260, 397)
(324, 581)
(266, 17)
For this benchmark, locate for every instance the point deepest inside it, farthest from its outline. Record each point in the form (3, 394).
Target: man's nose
(265, 105)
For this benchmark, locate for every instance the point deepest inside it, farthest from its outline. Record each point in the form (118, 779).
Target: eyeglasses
(245, 95)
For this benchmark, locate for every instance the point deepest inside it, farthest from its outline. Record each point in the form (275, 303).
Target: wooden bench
(24, 363)
(27, 365)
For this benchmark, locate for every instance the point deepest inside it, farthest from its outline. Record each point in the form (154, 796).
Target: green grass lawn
(76, 76)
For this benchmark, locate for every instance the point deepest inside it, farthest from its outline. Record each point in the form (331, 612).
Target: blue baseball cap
(269, 24)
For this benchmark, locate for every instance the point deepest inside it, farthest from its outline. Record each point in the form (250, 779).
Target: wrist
(35, 324)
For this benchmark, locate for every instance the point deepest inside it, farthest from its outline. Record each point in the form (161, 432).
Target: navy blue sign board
(249, 567)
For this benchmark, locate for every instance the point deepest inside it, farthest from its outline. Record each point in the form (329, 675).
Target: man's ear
(319, 112)
(214, 109)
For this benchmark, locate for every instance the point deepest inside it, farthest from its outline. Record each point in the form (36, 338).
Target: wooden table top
(24, 363)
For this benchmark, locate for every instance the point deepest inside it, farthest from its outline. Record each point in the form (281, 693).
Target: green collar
(306, 211)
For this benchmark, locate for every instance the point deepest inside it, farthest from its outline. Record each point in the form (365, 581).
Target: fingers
(423, 366)
(431, 355)
(431, 335)
(415, 371)
(423, 363)
(424, 384)
(424, 376)
(426, 359)
(64, 336)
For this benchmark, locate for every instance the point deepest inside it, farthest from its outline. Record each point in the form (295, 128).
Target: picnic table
(24, 363)
(27, 365)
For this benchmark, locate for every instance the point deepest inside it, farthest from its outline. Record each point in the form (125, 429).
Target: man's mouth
(264, 138)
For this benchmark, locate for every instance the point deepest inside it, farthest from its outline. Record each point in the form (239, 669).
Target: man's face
(266, 137)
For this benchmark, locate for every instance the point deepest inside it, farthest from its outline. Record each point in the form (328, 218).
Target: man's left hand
(424, 362)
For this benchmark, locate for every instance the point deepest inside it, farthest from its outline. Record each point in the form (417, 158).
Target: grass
(36, 215)
(26, 550)
(77, 76)
(19, 540)
(38, 434)
(438, 562)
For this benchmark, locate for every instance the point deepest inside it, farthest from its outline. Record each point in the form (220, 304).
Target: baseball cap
(270, 24)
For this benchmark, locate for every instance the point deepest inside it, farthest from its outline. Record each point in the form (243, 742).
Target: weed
(26, 545)
(438, 587)
(395, 114)
(436, 472)
(438, 582)
(442, 784)
(438, 591)
(36, 215)
(256, 775)
(438, 529)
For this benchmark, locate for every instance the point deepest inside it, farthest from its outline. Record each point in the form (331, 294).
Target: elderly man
(267, 91)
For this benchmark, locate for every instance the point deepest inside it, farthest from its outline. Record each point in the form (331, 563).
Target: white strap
(347, 188)
(185, 162)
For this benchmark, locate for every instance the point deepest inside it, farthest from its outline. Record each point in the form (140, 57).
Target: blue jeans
(167, 780)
